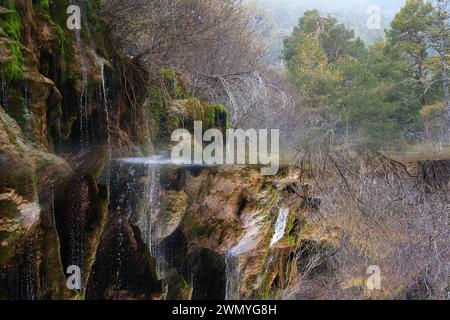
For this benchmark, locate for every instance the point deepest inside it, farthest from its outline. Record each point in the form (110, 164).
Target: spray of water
(149, 161)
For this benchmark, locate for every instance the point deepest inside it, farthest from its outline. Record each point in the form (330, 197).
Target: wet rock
(123, 268)
(29, 259)
(208, 269)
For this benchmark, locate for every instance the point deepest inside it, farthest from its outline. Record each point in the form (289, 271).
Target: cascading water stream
(77, 235)
(4, 93)
(249, 242)
(52, 199)
(29, 280)
(119, 254)
(280, 226)
(26, 95)
(128, 206)
(83, 98)
(232, 276)
(76, 242)
(252, 222)
(151, 196)
(153, 206)
(108, 123)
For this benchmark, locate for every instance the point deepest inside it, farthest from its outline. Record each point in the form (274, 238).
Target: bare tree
(218, 45)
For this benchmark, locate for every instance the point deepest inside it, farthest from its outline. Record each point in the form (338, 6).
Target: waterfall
(232, 276)
(52, 199)
(83, 99)
(280, 226)
(119, 254)
(4, 93)
(76, 243)
(26, 95)
(106, 109)
(252, 222)
(77, 234)
(29, 278)
(108, 123)
(126, 203)
(58, 131)
(153, 206)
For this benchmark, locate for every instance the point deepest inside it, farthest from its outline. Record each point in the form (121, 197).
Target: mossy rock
(174, 84)
(9, 234)
(183, 114)
(42, 4)
(174, 205)
(17, 167)
(53, 284)
(11, 58)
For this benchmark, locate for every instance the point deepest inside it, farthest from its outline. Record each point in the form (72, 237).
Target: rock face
(54, 143)
(135, 231)
(226, 224)
(28, 179)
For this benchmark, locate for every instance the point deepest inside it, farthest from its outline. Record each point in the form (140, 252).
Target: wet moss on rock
(174, 84)
(11, 66)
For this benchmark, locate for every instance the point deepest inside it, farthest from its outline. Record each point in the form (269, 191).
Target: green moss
(173, 84)
(290, 230)
(58, 11)
(195, 111)
(154, 110)
(264, 257)
(10, 23)
(167, 116)
(266, 284)
(60, 38)
(95, 24)
(269, 201)
(42, 4)
(92, 24)
(216, 116)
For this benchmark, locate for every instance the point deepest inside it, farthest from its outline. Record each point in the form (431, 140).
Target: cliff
(72, 106)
